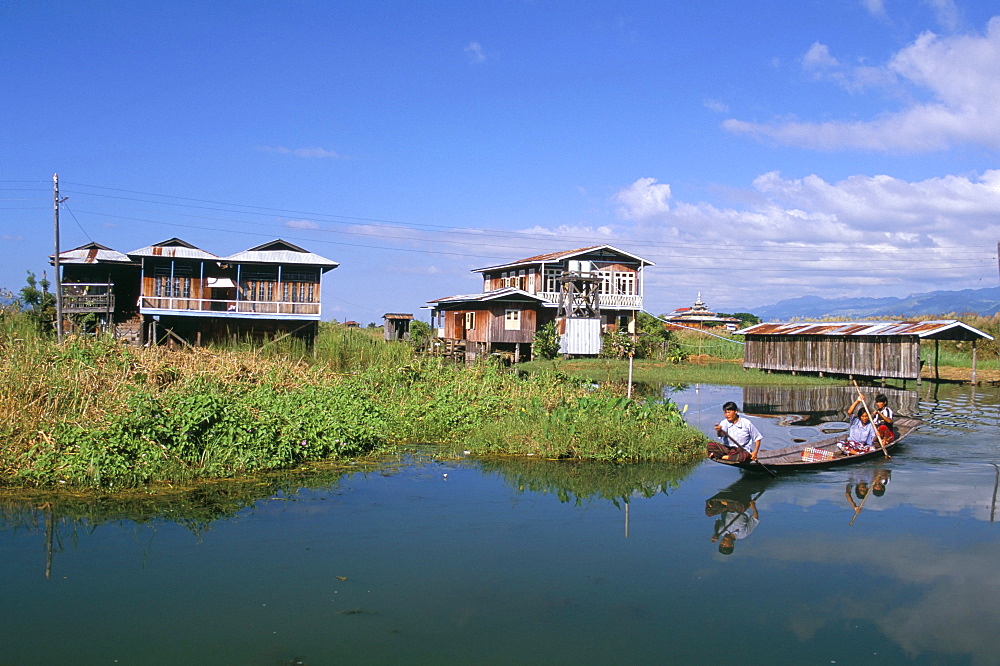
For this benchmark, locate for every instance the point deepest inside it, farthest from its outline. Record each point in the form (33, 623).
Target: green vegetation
(38, 302)
(546, 342)
(595, 427)
(94, 413)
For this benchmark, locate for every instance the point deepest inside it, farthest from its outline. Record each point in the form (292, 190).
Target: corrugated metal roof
(92, 253)
(942, 329)
(174, 248)
(282, 257)
(498, 294)
(281, 252)
(564, 254)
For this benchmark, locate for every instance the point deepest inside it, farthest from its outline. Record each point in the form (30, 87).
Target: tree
(420, 334)
(546, 342)
(649, 326)
(39, 302)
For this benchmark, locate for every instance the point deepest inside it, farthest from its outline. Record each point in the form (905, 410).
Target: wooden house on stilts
(586, 291)
(173, 291)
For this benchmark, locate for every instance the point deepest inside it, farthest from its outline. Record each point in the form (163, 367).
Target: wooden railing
(256, 308)
(87, 297)
(627, 301)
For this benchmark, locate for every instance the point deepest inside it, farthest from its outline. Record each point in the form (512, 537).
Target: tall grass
(720, 345)
(94, 413)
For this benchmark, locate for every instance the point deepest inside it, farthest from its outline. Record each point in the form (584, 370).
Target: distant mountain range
(984, 302)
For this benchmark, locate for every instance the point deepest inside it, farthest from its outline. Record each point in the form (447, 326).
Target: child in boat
(882, 419)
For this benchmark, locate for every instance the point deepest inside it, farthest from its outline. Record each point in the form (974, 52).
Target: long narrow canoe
(790, 457)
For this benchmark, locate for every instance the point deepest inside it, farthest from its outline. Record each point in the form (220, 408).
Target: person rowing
(862, 436)
(741, 439)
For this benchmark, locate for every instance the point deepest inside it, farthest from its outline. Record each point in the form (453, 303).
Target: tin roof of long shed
(940, 329)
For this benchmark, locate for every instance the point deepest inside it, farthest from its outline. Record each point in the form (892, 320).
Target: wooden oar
(871, 419)
(733, 520)
(857, 511)
(766, 469)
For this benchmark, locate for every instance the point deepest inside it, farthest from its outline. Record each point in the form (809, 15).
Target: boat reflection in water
(864, 483)
(735, 511)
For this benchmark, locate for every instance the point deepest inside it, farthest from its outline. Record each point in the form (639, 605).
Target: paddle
(766, 469)
(871, 419)
(857, 511)
(733, 519)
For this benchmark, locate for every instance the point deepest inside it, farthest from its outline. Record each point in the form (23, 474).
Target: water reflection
(576, 482)
(863, 483)
(68, 517)
(519, 560)
(735, 511)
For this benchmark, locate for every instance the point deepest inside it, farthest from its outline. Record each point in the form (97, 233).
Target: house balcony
(607, 301)
(242, 309)
(79, 297)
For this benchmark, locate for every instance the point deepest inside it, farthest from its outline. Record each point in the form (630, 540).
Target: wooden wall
(861, 356)
(490, 325)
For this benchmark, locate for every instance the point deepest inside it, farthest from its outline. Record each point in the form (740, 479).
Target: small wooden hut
(396, 326)
(883, 349)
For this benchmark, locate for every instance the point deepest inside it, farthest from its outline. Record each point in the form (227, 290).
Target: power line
(478, 232)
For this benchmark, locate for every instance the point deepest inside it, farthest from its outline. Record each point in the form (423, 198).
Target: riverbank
(92, 413)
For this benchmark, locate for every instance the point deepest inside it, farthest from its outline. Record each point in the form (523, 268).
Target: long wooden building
(881, 350)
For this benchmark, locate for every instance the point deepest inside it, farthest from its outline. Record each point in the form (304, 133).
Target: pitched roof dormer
(174, 248)
(279, 251)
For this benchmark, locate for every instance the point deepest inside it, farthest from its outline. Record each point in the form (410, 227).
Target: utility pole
(55, 206)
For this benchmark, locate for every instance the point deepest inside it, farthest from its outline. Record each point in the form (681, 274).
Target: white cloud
(314, 152)
(958, 76)
(874, 7)
(412, 270)
(948, 14)
(818, 57)
(475, 52)
(301, 224)
(715, 105)
(789, 237)
(643, 199)
(596, 234)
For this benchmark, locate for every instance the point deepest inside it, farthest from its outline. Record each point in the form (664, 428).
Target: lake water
(533, 561)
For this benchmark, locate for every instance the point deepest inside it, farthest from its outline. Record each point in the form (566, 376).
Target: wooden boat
(790, 457)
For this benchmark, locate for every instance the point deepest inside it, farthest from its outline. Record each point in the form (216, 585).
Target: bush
(546, 343)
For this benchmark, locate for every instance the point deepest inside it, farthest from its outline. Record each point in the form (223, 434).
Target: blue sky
(755, 150)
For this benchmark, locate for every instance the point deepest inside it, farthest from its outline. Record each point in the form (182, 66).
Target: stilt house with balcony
(586, 291)
(173, 291)
(100, 290)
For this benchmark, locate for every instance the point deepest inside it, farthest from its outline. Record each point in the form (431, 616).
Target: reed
(93, 413)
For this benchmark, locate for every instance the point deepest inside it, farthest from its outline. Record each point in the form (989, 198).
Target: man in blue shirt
(741, 439)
